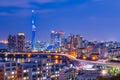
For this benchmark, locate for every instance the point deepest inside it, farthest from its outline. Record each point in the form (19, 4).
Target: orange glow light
(84, 57)
(29, 55)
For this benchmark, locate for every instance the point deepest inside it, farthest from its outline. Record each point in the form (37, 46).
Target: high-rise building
(75, 41)
(79, 41)
(33, 31)
(16, 43)
(12, 41)
(21, 42)
(57, 38)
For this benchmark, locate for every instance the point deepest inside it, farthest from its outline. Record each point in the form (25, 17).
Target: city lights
(59, 40)
(104, 72)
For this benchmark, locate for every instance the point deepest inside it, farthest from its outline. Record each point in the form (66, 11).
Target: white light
(47, 64)
(38, 72)
(44, 78)
(25, 71)
(12, 72)
(32, 21)
(5, 73)
(52, 31)
(104, 72)
(33, 26)
(33, 10)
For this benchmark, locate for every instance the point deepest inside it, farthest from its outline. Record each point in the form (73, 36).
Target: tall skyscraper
(12, 42)
(21, 42)
(57, 38)
(33, 31)
(16, 43)
(79, 41)
(75, 41)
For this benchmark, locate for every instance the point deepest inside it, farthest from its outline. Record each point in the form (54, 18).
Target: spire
(33, 31)
(33, 21)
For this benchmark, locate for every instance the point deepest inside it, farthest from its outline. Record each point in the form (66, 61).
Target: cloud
(25, 3)
(46, 1)
(6, 3)
(13, 6)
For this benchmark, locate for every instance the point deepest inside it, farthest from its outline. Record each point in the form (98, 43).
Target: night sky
(93, 19)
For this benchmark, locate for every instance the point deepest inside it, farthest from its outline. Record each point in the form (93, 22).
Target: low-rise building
(68, 74)
(88, 74)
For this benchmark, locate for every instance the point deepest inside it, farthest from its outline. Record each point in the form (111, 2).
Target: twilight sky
(93, 19)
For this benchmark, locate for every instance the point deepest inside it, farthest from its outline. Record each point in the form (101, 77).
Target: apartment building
(8, 70)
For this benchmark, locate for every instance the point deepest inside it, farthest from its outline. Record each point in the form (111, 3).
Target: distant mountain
(3, 46)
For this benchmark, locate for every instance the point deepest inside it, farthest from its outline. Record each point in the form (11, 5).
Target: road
(73, 58)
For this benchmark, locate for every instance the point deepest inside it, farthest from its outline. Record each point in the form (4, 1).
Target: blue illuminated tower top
(33, 31)
(33, 21)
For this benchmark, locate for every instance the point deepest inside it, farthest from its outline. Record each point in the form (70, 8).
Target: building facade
(21, 42)
(12, 42)
(57, 38)
(8, 70)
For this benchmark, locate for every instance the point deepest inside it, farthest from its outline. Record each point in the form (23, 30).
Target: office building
(57, 38)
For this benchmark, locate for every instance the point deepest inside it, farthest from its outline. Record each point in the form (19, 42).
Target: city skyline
(93, 19)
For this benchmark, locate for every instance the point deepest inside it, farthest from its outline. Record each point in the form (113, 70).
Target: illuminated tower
(33, 31)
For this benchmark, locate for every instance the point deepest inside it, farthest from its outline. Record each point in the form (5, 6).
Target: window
(7, 65)
(13, 64)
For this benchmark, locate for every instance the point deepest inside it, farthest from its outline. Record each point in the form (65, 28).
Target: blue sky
(93, 19)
